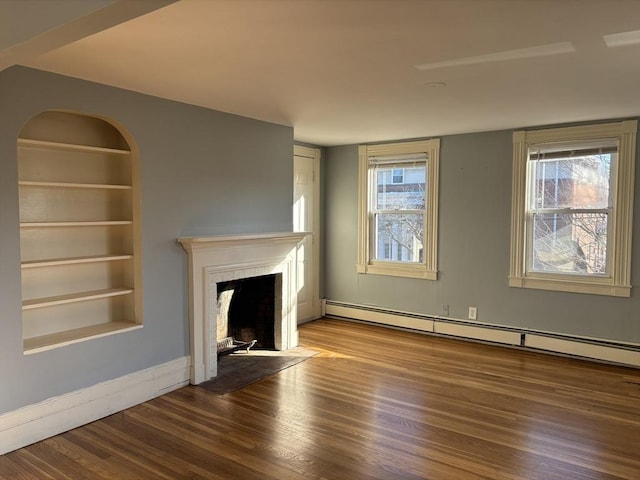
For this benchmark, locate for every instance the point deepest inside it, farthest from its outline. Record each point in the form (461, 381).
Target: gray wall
(474, 236)
(202, 172)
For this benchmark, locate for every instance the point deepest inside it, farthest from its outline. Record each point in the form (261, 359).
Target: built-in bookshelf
(78, 231)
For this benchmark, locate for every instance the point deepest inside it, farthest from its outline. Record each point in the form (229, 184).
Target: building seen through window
(570, 208)
(399, 213)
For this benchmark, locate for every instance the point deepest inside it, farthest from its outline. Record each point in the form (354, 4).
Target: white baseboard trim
(55, 415)
(549, 342)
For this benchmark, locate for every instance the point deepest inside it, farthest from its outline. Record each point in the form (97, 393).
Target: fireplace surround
(217, 259)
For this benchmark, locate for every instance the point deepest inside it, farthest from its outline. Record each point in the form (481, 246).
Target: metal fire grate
(229, 345)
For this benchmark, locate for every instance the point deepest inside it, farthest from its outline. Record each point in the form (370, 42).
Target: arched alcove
(79, 235)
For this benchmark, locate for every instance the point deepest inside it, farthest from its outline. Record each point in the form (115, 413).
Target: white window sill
(604, 287)
(398, 270)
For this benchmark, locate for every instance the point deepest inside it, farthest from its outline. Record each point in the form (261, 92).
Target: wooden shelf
(74, 297)
(75, 224)
(67, 337)
(50, 262)
(78, 208)
(27, 142)
(31, 183)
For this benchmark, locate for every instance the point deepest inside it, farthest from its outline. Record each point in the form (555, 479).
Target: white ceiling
(350, 71)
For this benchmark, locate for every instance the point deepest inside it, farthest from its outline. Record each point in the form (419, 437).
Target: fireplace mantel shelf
(187, 242)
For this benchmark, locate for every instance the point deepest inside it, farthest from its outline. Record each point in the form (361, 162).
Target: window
(572, 208)
(398, 209)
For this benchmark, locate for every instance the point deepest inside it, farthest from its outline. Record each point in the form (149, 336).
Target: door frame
(314, 154)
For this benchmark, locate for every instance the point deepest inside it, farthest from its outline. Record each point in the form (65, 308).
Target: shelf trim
(34, 183)
(74, 297)
(75, 224)
(28, 142)
(50, 262)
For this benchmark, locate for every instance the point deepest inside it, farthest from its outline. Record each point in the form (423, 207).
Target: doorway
(306, 218)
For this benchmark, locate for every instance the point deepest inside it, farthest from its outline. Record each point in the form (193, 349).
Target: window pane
(409, 194)
(399, 236)
(578, 182)
(570, 243)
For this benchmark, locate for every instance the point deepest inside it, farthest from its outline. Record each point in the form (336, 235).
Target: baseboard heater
(594, 349)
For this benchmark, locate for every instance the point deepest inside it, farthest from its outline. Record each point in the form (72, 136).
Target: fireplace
(217, 261)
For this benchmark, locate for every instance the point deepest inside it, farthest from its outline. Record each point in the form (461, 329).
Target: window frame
(427, 269)
(618, 280)
(393, 176)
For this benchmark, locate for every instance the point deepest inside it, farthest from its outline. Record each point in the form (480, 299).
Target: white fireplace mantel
(214, 259)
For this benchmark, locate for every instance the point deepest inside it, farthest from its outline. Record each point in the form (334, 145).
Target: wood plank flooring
(375, 404)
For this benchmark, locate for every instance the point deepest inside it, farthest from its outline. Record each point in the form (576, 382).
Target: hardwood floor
(375, 404)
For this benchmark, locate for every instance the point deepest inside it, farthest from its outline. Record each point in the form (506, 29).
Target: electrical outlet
(473, 313)
(445, 309)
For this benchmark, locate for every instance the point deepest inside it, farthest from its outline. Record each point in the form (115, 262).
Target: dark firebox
(249, 307)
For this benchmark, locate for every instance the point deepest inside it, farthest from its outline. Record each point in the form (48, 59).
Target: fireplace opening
(247, 310)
